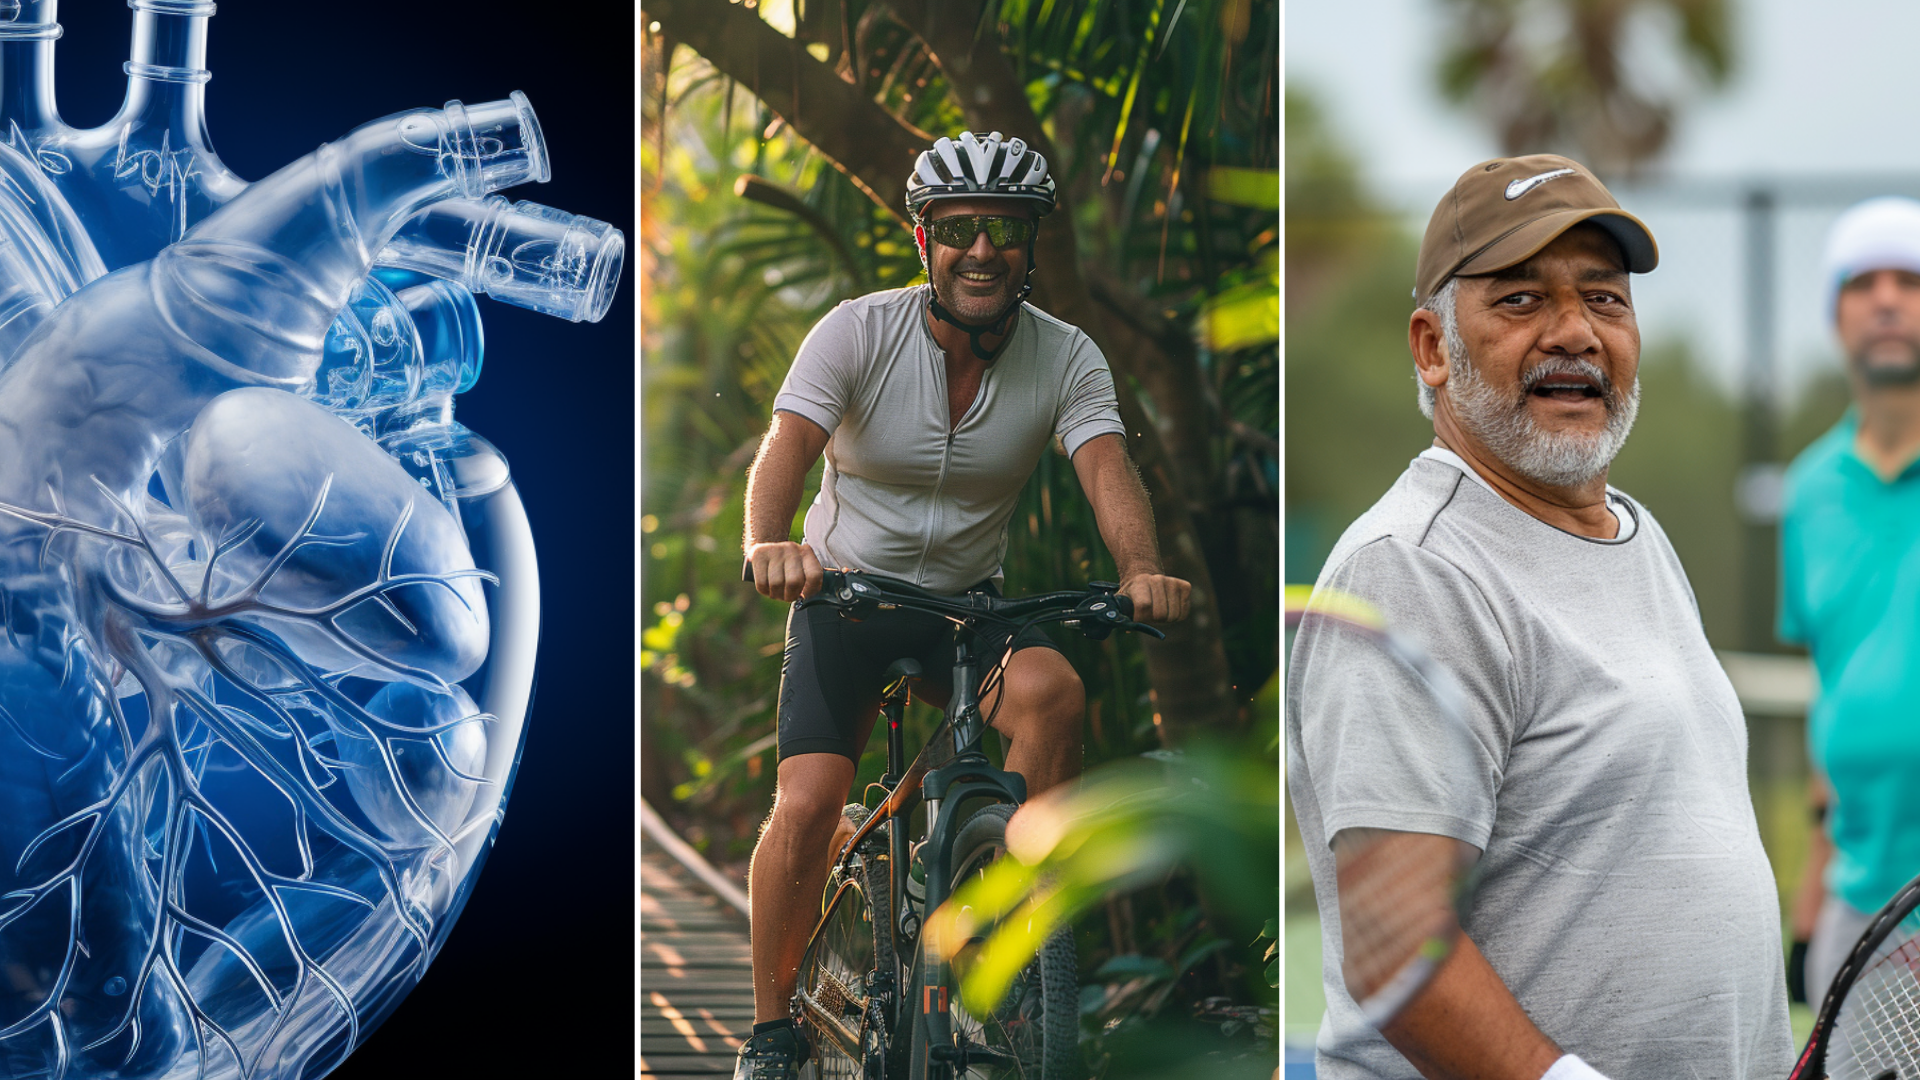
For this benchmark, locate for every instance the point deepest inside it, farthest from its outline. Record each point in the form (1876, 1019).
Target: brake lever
(1123, 604)
(1104, 611)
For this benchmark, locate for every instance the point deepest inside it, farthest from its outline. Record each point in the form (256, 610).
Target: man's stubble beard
(971, 308)
(1508, 431)
(1902, 374)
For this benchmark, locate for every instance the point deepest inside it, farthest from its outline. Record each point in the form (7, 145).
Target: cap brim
(1523, 243)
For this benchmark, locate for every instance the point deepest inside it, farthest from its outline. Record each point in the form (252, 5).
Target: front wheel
(847, 977)
(1033, 1033)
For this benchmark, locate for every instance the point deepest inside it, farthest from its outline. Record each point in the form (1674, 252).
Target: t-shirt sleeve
(824, 377)
(1089, 407)
(1381, 751)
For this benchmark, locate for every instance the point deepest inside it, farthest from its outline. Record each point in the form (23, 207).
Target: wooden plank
(699, 988)
(694, 925)
(691, 1066)
(705, 1028)
(654, 905)
(688, 948)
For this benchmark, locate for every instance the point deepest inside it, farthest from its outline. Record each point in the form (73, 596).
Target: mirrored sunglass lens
(952, 231)
(1004, 231)
(958, 232)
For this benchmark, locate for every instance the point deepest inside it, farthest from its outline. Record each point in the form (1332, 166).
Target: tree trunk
(858, 137)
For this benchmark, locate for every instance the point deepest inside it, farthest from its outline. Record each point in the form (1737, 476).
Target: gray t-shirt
(902, 494)
(1624, 898)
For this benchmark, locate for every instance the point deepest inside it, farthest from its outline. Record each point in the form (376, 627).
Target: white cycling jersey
(902, 494)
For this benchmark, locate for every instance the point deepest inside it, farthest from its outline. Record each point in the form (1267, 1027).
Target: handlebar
(1095, 611)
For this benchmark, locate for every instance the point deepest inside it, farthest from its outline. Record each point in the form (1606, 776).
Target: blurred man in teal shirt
(1850, 591)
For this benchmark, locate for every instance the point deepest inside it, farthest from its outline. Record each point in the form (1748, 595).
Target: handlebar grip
(830, 578)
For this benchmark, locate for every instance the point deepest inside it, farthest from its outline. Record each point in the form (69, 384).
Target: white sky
(1824, 97)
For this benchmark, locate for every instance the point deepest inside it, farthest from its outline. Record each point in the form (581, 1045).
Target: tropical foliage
(1601, 80)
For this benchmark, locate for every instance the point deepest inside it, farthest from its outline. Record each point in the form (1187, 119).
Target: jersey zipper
(946, 458)
(933, 511)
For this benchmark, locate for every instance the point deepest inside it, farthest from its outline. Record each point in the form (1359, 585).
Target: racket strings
(1396, 911)
(1878, 1029)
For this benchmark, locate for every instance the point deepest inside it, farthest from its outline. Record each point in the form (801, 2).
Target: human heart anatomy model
(267, 611)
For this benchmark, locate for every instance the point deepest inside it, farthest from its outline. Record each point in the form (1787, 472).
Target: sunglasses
(959, 231)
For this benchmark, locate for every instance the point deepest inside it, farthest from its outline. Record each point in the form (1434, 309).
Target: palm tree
(1571, 76)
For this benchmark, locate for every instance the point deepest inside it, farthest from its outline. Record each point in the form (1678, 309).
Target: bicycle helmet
(973, 167)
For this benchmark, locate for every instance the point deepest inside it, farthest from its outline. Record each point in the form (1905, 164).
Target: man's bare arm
(1125, 517)
(782, 570)
(1465, 1023)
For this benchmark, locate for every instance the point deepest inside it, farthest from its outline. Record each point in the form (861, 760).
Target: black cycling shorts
(831, 674)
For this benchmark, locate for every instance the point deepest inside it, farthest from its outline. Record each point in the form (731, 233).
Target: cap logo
(1521, 187)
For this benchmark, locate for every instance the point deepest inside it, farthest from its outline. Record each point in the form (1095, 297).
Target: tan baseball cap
(1502, 212)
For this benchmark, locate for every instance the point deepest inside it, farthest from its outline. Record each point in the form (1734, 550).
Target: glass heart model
(267, 611)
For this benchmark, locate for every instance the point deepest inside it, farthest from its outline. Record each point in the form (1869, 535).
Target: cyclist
(933, 405)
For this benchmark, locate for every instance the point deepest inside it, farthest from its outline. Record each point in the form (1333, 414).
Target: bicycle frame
(968, 775)
(943, 783)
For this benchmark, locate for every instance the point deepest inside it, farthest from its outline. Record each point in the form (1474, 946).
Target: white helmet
(979, 167)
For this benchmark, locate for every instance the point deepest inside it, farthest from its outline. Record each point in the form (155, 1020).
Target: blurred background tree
(1598, 80)
(777, 141)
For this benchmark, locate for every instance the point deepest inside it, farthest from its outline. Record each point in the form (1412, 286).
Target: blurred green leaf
(1127, 823)
(1243, 317)
(1255, 188)
(1134, 967)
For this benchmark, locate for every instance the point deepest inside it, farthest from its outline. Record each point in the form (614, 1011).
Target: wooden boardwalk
(696, 987)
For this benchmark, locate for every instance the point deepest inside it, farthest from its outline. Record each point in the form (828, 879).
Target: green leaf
(1257, 189)
(1243, 317)
(1201, 952)
(1134, 966)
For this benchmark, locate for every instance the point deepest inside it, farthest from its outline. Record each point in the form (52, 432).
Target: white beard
(1507, 428)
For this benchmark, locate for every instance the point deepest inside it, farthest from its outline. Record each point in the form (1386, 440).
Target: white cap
(1879, 234)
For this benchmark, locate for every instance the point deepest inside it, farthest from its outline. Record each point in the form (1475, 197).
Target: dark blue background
(536, 979)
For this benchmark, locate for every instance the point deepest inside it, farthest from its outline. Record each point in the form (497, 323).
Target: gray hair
(1444, 303)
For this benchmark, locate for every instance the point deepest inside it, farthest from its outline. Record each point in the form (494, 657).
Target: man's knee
(1043, 686)
(811, 791)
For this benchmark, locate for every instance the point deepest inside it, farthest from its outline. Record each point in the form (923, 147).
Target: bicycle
(866, 948)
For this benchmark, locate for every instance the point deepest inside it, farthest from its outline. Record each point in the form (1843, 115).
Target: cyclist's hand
(1157, 597)
(784, 570)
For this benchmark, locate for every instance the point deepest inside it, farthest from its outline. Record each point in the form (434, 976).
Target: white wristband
(1570, 1067)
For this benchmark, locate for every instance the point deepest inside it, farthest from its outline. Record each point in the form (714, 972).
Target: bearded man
(932, 405)
(1625, 918)
(1850, 590)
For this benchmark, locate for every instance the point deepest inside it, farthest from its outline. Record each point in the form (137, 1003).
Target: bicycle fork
(970, 776)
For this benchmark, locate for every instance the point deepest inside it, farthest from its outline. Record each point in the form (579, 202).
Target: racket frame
(1812, 1064)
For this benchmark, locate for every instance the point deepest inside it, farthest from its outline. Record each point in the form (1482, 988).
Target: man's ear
(1429, 347)
(920, 241)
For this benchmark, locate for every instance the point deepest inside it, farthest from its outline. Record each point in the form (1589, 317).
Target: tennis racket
(1869, 1023)
(1402, 895)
